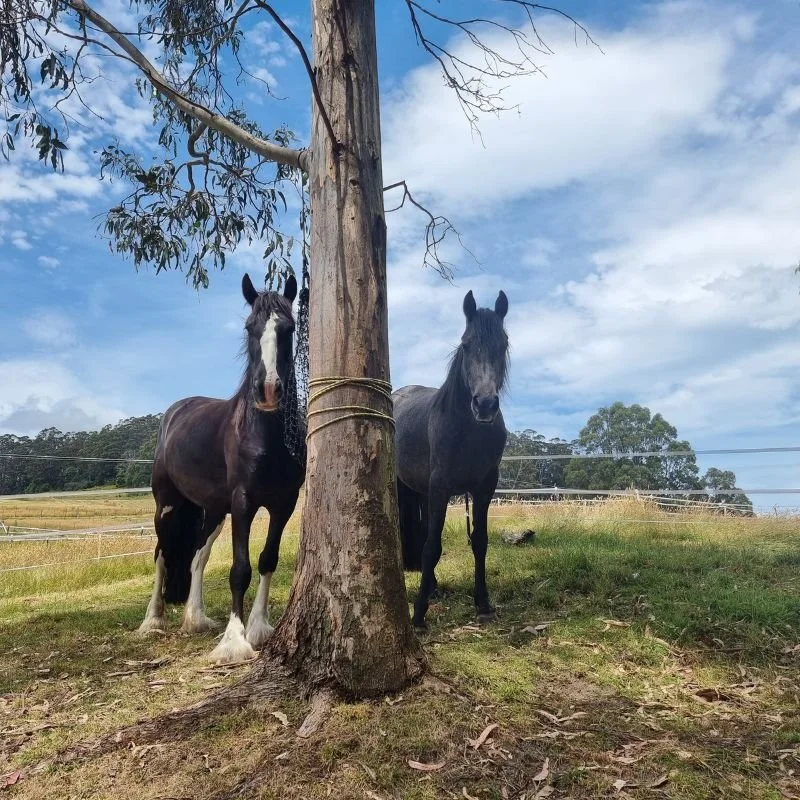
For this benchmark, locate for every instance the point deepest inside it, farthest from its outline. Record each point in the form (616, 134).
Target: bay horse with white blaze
(449, 441)
(215, 457)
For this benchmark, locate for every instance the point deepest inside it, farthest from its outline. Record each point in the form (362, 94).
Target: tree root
(260, 686)
(321, 704)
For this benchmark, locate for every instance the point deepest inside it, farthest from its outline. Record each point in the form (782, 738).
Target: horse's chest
(467, 459)
(267, 469)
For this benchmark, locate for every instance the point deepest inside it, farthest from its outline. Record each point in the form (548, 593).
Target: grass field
(637, 654)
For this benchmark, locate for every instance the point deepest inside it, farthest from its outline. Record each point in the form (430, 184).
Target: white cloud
(48, 261)
(50, 328)
(20, 240)
(670, 170)
(38, 394)
(592, 116)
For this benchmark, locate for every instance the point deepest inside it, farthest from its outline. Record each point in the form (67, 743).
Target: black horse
(215, 457)
(450, 441)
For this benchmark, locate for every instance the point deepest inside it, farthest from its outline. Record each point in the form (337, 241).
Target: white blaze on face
(269, 350)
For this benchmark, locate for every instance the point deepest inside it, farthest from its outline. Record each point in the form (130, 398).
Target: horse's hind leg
(234, 646)
(258, 625)
(194, 615)
(480, 542)
(155, 618)
(436, 591)
(431, 553)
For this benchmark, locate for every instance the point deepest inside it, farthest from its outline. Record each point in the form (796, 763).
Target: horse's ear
(248, 290)
(501, 305)
(290, 290)
(470, 306)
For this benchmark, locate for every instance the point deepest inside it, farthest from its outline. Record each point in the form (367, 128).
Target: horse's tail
(178, 544)
(413, 525)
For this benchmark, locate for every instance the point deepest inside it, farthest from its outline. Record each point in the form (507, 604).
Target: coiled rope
(319, 387)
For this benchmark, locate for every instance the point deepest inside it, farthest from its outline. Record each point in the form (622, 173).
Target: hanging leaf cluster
(200, 194)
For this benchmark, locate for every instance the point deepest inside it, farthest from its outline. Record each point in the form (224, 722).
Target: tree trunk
(347, 624)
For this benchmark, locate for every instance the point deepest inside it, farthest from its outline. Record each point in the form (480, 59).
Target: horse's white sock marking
(258, 627)
(165, 511)
(154, 618)
(234, 647)
(194, 615)
(269, 349)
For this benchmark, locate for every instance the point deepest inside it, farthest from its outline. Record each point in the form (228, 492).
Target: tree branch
(309, 69)
(267, 149)
(435, 232)
(475, 80)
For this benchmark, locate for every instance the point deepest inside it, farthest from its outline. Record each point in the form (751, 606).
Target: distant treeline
(614, 430)
(131, 438)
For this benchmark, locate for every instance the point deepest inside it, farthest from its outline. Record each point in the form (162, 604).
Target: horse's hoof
(485, 617)
(258, 631)
(234, 647)
(198, 623)
(420, 627)
(153, 625)
(230, 653)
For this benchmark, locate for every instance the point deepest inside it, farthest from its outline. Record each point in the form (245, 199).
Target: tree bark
(347, 624)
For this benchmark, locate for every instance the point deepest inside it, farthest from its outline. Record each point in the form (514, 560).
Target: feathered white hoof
(152, 625)
(197, 622)
(234, 647)
(258, 630)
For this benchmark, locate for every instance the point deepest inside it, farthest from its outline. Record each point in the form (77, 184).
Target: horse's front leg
(431, 553)
(258, 625)
(234, 647)
(480, 542)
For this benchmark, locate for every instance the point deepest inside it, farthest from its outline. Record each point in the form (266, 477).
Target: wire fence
(28, 567)
(23, 534)
(673, 500)
(30, 534)
(538, 457)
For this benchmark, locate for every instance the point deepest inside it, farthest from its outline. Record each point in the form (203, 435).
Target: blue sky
(640, 211)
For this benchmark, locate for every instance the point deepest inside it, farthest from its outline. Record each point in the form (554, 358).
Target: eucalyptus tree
(221, 180)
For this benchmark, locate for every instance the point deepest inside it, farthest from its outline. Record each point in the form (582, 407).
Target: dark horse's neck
(266, 423)
(454, 394)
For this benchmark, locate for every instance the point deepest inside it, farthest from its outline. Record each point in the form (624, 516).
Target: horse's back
(190, 453)
(412, 408)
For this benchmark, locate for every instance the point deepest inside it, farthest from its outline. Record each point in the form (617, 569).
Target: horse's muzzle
(485, 408)
(273, 392)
